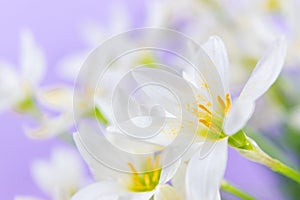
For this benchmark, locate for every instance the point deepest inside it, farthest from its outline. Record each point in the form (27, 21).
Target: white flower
(225, 117)
(61, 176)
(17, 88)
(144, 181)
(237, 115)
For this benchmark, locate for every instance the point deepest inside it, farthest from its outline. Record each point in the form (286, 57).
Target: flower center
(145, 181)
(209, 118)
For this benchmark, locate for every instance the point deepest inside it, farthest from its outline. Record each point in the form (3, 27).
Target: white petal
(32, 61)
(109, 191)
(204, 175)
(9, 86)
(129, 144)
(56, 97)
(99, 171)
(217, 52)
(158, 131)
(170, 90)
(209, 71)
(238, 115)
(266, 71)
(106, 160)
(178, 180)
(50, 126)
(166, 192)
(169, 170)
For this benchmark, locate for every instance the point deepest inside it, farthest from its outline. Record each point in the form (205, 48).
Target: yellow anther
(204, 108)
(205, 122)
(221, 102)
(205, 85)
(228, 103)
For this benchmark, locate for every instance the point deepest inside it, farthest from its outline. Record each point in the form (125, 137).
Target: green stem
(249, 149)
(227, 187)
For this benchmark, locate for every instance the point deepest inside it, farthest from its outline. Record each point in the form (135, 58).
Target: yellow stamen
(132, 168)
(204, 108)
(147, 180)
(221, 102)
(155, 175)
(205, 122)
(149, 165)
(156, 163)
(228, 103)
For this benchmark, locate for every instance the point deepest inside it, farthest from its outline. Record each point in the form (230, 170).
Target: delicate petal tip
(216, 50)
(266, 71)
(237, 117)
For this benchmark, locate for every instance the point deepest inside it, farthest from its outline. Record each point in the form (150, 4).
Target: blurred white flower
(59, 99)
(18, 87)
(61, 176)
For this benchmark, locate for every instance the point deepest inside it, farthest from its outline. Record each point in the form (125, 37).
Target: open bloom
(215, 110)
(142, 180)
(238, 112)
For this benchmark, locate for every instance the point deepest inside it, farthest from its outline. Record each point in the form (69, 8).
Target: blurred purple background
(56, 26)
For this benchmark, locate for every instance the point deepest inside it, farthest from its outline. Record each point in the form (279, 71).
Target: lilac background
(56, 25)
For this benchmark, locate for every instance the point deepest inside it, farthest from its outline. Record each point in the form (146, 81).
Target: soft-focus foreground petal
(109, 191)
(166, 192)
(32, 61)
(204, 176)
(239, 114)
(217, 52)
(266, 71)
